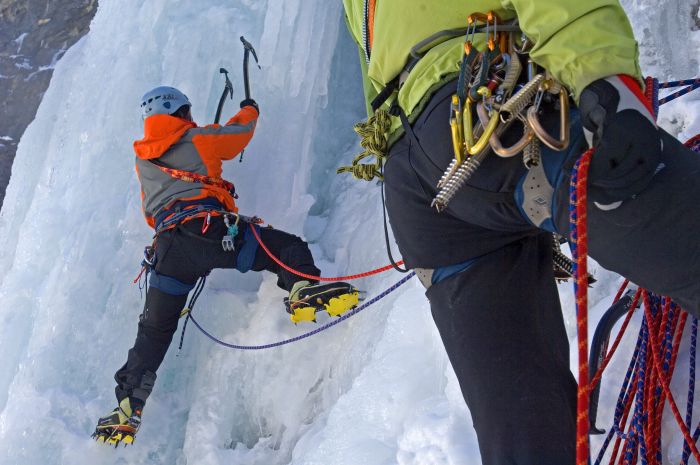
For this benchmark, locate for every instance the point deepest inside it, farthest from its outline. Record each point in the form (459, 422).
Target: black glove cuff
(249, 102)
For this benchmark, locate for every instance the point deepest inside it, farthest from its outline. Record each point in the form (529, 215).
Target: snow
(375, 390)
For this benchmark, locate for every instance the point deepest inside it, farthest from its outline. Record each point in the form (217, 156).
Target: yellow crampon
(306, 310)
(119, 426)
(115, 437)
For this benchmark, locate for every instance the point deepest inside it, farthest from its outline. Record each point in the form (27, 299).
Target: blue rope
(691, 390)
(573, 219)
(639, 417)
(625, 391)
(684, 82)
(352, 312)
(655, 96)
(679, 93)
(691, 85)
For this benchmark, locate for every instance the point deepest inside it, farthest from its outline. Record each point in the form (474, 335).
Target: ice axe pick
(248, 49)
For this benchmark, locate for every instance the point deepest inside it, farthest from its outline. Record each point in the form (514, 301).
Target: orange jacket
(180, 144)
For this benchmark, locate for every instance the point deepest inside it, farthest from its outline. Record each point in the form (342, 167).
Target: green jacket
(578, 41)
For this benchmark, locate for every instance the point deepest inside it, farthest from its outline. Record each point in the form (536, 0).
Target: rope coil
(647, 382)
(374, 142)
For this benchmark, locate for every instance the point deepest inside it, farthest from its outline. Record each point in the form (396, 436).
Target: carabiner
(551, 142)
(456, 129)
(495, 141)
(474, 147)
(487, 18)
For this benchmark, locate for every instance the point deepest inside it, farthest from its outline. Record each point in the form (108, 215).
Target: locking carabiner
(546, 138)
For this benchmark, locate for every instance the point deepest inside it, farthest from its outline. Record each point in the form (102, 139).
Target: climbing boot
(306, 299)
(119, 426)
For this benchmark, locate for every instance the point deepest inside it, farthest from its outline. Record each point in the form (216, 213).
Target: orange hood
(160, 133)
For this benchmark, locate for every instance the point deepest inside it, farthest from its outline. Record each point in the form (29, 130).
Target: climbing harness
(189, 176)
(336, 306)
(491, 96)
(491, 83)
(646, 386)
(177, 212)
(374, 132)
(231, 232)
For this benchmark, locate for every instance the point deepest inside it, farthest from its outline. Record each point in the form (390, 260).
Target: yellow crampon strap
(374, 140)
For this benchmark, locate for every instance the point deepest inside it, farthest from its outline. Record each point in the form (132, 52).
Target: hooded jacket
(578, 41)
(180, 144)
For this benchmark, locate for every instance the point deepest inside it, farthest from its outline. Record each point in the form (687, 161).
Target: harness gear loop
(374, 141)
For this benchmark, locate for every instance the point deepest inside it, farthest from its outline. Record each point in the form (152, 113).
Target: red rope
(583, 395)
(657, 327)
(656, 378)
(318, 278)
(654, 345)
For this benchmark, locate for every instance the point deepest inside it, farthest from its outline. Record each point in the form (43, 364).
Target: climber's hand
(620, 127)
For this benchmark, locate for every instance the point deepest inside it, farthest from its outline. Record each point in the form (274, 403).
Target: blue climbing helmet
(162, 100)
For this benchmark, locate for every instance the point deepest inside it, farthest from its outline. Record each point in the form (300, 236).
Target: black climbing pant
(503, 331)
(500, 319)
(183, 255)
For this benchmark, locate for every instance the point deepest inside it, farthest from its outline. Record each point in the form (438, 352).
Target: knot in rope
(373, 133)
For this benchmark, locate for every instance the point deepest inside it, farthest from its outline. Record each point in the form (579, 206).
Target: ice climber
(192, 210)
(485, 254)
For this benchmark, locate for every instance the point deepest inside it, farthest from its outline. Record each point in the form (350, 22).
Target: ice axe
(228, 90)
(248, 47)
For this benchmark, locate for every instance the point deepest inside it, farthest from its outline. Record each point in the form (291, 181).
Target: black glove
(619, 124)
(249, 102)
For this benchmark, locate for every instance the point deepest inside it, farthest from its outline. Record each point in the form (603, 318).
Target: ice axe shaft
(248, 47)
(228, 90)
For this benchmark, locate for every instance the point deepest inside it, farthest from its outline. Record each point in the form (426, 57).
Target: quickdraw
(491, 92)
